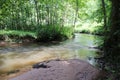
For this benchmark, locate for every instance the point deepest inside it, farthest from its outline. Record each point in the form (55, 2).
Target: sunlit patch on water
(18, 57)
(13, 60)
(10, 63)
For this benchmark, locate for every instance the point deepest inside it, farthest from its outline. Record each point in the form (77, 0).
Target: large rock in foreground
(61, 70)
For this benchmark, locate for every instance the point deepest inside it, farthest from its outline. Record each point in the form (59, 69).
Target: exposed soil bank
(73, 69)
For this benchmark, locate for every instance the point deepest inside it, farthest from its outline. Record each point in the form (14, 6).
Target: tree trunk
(112, 42)
(105, 16)
(37, 11)
(76, 13)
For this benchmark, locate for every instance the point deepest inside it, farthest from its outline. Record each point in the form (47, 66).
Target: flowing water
(81, 47)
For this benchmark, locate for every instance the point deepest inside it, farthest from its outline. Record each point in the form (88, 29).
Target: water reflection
(16, 57)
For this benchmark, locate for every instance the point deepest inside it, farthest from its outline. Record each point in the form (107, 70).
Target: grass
(43, 33)
(17, 33)
(90, 27)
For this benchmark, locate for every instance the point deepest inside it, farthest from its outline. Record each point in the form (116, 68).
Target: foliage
(17, 33)
(28, 15)
(48, 20)
(50, 33)
(91, 17)
(43, 33)
(94, 28)
(111, 45)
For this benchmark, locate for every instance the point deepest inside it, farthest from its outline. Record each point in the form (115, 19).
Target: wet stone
(73, 69)
(41, 65)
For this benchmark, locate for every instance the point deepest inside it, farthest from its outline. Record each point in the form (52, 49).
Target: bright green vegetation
(45, 33)
(91, 17)
(91, 28)
(16, 36)
(42, 34)
(17, 33)
(40, 20)
(49, 20)
(41, 17)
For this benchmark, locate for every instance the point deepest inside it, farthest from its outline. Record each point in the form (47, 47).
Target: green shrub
(50, 33)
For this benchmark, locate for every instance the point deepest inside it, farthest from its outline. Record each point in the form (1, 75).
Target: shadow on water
(81, 47)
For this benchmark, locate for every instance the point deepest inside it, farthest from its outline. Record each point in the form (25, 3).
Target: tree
(76, 13)
(112, 42)
(104, 12)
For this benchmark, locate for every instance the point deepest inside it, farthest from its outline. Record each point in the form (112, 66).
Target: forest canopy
(36, 16)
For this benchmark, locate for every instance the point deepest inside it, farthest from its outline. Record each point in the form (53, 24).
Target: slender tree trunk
(37, 11)
(40, 14)
(105, 16)
(48, 14)
(76, 13)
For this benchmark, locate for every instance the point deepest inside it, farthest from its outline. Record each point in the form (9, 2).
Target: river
(80, 47)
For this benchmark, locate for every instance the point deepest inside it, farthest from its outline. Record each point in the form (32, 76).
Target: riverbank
(44, 34)
(73, 69)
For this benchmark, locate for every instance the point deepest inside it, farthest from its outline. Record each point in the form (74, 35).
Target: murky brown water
(12, 58)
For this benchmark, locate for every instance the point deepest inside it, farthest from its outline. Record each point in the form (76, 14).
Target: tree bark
(37, 11)
(76, 13)
(105, 16)
(112, 41)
